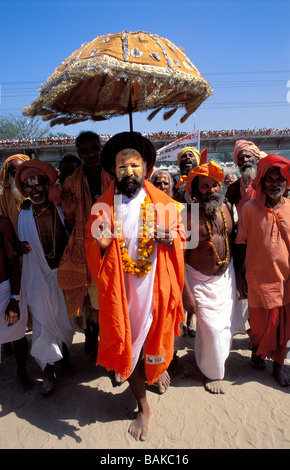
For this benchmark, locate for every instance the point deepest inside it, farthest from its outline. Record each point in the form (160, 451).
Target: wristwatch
(15, 297)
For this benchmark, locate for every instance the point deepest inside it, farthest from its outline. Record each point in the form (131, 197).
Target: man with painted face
(42, 226)
(210, 286)
(263, 266)
(246, 157)
(138, 268)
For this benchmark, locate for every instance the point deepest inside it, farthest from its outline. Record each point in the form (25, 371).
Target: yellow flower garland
(146, 242)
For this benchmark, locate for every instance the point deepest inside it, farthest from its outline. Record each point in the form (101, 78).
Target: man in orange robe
(246, 157)
(138, 316)
(263, 248)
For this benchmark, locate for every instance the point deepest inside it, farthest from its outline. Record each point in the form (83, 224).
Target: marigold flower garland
(226, 241)
(143, 265)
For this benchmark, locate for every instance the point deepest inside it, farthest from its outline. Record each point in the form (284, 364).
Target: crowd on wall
(154, 136)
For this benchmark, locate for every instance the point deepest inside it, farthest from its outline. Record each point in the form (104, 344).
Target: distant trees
(20, 127)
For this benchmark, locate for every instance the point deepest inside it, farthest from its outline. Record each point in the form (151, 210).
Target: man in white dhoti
(139, 273)
(210, 287)
(43, 228)
(13, 310)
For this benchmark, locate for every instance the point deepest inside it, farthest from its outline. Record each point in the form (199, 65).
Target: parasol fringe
(168, 114)
(153, 114)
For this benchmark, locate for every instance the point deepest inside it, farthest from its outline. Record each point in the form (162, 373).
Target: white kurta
(46, 301)
(139, 291)
(16, 331)
(216, 317)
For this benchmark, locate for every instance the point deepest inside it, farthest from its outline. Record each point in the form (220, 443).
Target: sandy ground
(86, 412)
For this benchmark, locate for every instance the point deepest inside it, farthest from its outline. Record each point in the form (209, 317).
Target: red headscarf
(34, 168)
(263, 165)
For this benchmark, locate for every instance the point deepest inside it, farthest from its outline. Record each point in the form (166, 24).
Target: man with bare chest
(42, 227)
(210, 286)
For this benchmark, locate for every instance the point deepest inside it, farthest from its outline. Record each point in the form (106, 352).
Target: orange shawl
(73, 274)
(115, 346)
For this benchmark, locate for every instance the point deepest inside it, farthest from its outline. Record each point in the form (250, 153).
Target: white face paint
(130, 164)
(36, 188)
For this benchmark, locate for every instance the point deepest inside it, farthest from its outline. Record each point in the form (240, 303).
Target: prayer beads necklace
(226, 241)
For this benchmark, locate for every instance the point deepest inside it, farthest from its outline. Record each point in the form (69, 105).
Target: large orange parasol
(119, 74)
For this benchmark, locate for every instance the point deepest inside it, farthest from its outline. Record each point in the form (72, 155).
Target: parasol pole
(130, 113)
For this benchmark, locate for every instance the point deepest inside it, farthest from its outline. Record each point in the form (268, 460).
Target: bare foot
(214, 386)
(139, 427)
(280, 375)
(48, 379)
(163, 382)
(257, 361)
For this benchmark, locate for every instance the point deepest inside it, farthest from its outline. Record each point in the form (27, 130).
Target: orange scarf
(115, 346)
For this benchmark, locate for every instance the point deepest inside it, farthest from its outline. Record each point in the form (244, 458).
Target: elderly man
(13, 310)
(10, 197)
(163, 180)
(187, 159)
(230, 178)
(263, 264)
(42, 226)
(139, 282)
(210, 285)
(246, 157)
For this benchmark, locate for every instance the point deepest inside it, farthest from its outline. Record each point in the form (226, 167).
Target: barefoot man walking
(139, 276)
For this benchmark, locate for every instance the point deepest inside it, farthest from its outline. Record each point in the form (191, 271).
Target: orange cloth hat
(211, 169)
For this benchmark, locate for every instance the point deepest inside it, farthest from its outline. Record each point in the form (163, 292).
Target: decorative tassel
(168, 114)
(153, 114)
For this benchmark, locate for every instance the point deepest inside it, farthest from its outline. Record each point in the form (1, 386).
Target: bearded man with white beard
(210, 286)
(246, 157)
(10, 197)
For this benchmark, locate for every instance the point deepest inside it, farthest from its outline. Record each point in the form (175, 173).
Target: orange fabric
(181, 181)
(115, 348)
(270, 331)
(73, 273)
(210, 169)
(267, 262)
(246, 196)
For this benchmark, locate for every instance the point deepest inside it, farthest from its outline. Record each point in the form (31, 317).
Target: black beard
(182, 169)
(130, 188)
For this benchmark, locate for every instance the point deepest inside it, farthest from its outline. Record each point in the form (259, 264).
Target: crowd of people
(154, 136)
(134, 258)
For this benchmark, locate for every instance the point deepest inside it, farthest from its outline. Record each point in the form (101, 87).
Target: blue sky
(241, 47)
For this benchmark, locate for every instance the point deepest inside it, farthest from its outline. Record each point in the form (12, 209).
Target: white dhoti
(216, 317)
(46, 301)
(139, 292)
(16, 331)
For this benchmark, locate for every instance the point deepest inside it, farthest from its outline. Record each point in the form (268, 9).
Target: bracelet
(15, 297)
